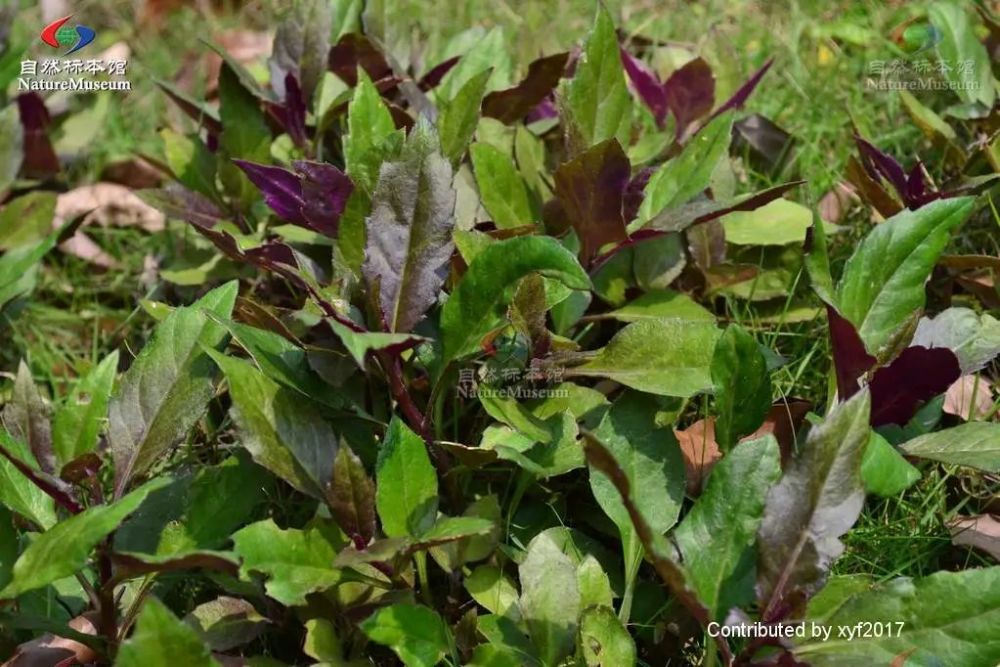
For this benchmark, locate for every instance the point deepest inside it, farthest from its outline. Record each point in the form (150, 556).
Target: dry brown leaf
(700, 452)
(50, 650)
(981, 532)
(82, 246)
(107, 204)
(900, 659)
(783, 421)
(833, 206)
(135, 173)
(969, 394)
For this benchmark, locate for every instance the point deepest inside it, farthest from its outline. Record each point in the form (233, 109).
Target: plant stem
(64, 499)
(425, 586)
(631, 574)
(107, 607)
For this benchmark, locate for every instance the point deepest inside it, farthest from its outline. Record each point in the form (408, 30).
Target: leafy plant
(433, 419)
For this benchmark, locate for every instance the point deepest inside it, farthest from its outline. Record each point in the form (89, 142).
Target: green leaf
(488, 54)
(724, 523)
(295, 562)
(162, 640)
(666, 357)
(245, 133)
(595, 586)
(974, 338)
(191, 161)
(882, 287)
(817, 500)
(459, 117)
(415, 633)
(406, 485)
(596, 100)
(948, 618)
(65, 548)
(351, 496)
(604, 641)
(17, 492)
(11, 147)
(975, 444)
(26, 417)
(503, 192)
(742, 386)
(550, 598)
(226, 622)
(166, 389)
(360, 343)
(650, 458)
(659, 305)
(884, 471)
(684, 177)
(8, 546)
(959, 47)
(18, 268)
(79, 421)
(322, 642)
(284, 433)
(27, 219)
(494, 591)
(475, 307)
(371, 134)
(282, 361)
(778, 222)
(409, 231)
(817, 263)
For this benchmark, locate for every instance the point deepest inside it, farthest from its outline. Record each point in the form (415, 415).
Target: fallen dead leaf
(82, 246)
(107, 204)
(833, 206)
(135, 173)
(969, 395)
(783, 421)
(900, 659)
(700, 452)
(50, 650)
(980, 532)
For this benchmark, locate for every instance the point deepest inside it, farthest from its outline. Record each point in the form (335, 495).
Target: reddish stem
(61, 497)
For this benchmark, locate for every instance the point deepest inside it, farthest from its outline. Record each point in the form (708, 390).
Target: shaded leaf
(301, 44)
(26, 418)
(850, 358)
(226, 622)
(351, 496)
(916, 375)
(512, 104)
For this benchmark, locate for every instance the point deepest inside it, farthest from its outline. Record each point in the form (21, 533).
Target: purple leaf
(313, 196)
(635, 192)
(850, 358)
(281, 188)
(647, 85)
(295, 111)
(39, 158)
(916, 375)
(353, 51)
(877, 162)
(409, 231)
(591, 189)
(690, 93)
(740, 97)
(769, 144)
(325, 191)
(513, 104)
(438, 72)
(544, 110)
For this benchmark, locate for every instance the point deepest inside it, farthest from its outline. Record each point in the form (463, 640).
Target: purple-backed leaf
(591, 189)
(916, 375)
(281, 188)
(768, 142)
(436, 73)
(635, 192)
(742, 94)
(325, 191)
(39, 158)
(850, 358)
(351, 496)
(544, 110)
(690, 93)
(513, 104)
(882, 164)
(353, 51)
(295, 111)
(409, 230)
(697, 212)
(647, 85)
